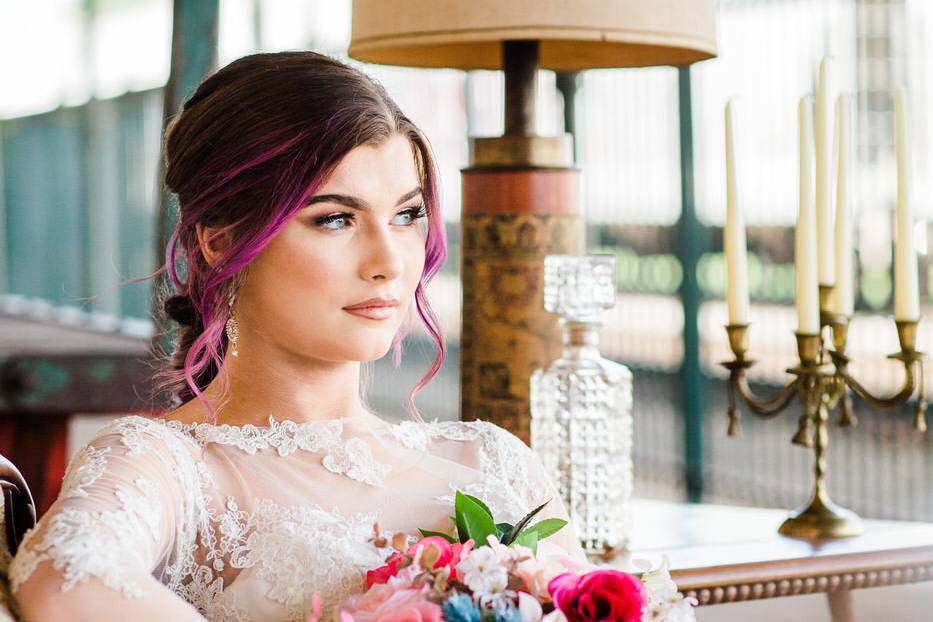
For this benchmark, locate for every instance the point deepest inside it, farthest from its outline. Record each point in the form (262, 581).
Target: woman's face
(361, 236)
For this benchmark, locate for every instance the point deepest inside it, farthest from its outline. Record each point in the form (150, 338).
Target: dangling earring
(232, 330)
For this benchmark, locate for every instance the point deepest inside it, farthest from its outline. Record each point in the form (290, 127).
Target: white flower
(529, 607)
(485, 574)
(507, 553)
(405, 577)
(482, 567)
(665, 603)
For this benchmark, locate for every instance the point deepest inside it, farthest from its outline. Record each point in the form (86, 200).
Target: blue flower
(508, 614)
(460, 608)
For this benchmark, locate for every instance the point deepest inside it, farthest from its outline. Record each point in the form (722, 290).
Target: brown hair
(245, 153)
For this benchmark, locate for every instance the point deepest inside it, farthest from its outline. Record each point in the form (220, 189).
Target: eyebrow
(357, 203)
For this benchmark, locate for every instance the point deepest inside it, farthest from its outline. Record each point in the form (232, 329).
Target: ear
(213, 241)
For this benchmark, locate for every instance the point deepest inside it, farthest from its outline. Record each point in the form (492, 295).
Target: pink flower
(315, 614)
(449, 554)
(537, 571)
(382, 603)
(598, 595)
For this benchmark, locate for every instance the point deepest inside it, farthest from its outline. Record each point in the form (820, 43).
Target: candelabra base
(822, 519)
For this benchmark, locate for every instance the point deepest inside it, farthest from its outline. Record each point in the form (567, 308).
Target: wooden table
(724, 554)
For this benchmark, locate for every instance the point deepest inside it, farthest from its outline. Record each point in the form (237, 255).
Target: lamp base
(822, 519)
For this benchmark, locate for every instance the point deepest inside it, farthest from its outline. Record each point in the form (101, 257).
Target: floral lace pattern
(416, 435)
(118, 540)
(353, 459)
(322, 558)
(225, 553)
(90, 464)
(286, 437)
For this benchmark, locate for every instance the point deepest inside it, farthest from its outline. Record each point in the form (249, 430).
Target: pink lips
(374, 308)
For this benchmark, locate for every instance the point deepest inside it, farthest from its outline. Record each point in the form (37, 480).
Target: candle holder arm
(875, 401)
(761, 406)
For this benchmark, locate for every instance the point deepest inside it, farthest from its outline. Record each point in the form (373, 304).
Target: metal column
(691, 243)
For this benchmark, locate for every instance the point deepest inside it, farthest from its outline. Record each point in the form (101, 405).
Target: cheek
(291, 273)
(414, 268)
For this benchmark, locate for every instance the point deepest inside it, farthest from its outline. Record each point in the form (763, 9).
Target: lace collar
(353, 458)
(285, 436)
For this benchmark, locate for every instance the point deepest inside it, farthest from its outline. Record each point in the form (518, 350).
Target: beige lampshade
(573, 34)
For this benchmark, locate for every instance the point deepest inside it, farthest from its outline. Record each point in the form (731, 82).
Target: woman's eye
(336, 222)
(326, 221)
(414, 214)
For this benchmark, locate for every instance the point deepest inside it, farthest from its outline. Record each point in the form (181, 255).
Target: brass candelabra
(822, 383)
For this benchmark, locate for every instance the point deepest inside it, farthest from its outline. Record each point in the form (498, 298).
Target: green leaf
(472, 520)
(502, 529)
(480, 503)
(428, 534)
(545, 528)
(528, 538)
(517, 529)
(461, 528)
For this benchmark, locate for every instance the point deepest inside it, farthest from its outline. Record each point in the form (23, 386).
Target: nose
(383, 257)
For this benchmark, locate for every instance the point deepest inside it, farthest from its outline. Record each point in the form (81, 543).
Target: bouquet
(494, 572)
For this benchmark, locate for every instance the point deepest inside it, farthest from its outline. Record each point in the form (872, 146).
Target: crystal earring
(231, 328)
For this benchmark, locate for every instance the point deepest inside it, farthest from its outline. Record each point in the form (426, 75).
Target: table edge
(790, 577)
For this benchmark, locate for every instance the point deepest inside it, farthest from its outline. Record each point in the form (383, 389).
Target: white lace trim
(353, 458)
(87, 465)
(206, 594)
(416, 435)
(300, 550)
(296, 551)
(104, 544)
(286, 436)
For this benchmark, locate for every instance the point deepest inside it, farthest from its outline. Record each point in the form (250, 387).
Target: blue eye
(412, 214)
(326, 220)
(415, 214)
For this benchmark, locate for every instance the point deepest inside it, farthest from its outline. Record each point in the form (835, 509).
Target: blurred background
(81, 97)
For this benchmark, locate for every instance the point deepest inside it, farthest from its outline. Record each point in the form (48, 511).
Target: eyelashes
(414, 213)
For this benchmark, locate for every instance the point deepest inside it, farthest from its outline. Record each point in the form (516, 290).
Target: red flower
(599, 595)
(382, 574)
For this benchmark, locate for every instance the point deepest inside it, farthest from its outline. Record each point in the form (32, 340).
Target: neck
(285, 386)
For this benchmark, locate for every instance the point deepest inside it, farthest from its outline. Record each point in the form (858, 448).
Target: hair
(247, 151)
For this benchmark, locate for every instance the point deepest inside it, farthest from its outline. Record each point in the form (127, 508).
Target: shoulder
(133, 451)
(416, 434)
(130, 444)
(136, 434)
(492, 441)
(496, 432)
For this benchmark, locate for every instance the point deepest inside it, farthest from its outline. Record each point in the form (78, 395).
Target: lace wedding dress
(246, 523)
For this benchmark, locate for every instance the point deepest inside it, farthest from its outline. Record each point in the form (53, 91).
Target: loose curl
(246, 152)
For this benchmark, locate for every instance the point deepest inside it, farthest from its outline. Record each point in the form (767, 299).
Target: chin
(367, 352)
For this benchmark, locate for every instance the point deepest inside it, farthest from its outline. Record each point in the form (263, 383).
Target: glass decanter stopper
(581, 405)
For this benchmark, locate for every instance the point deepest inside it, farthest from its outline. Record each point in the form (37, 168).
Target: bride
(309, 225)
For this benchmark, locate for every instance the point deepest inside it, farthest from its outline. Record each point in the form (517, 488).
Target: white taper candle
(906, 298)
(734, 235)
(808, 299)
(825, 102)
(844, 292)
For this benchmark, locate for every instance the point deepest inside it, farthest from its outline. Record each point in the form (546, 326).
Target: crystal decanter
(581, 405)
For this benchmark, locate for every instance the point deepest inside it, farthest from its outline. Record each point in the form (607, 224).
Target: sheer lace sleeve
(534, 486)
(121, 521)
